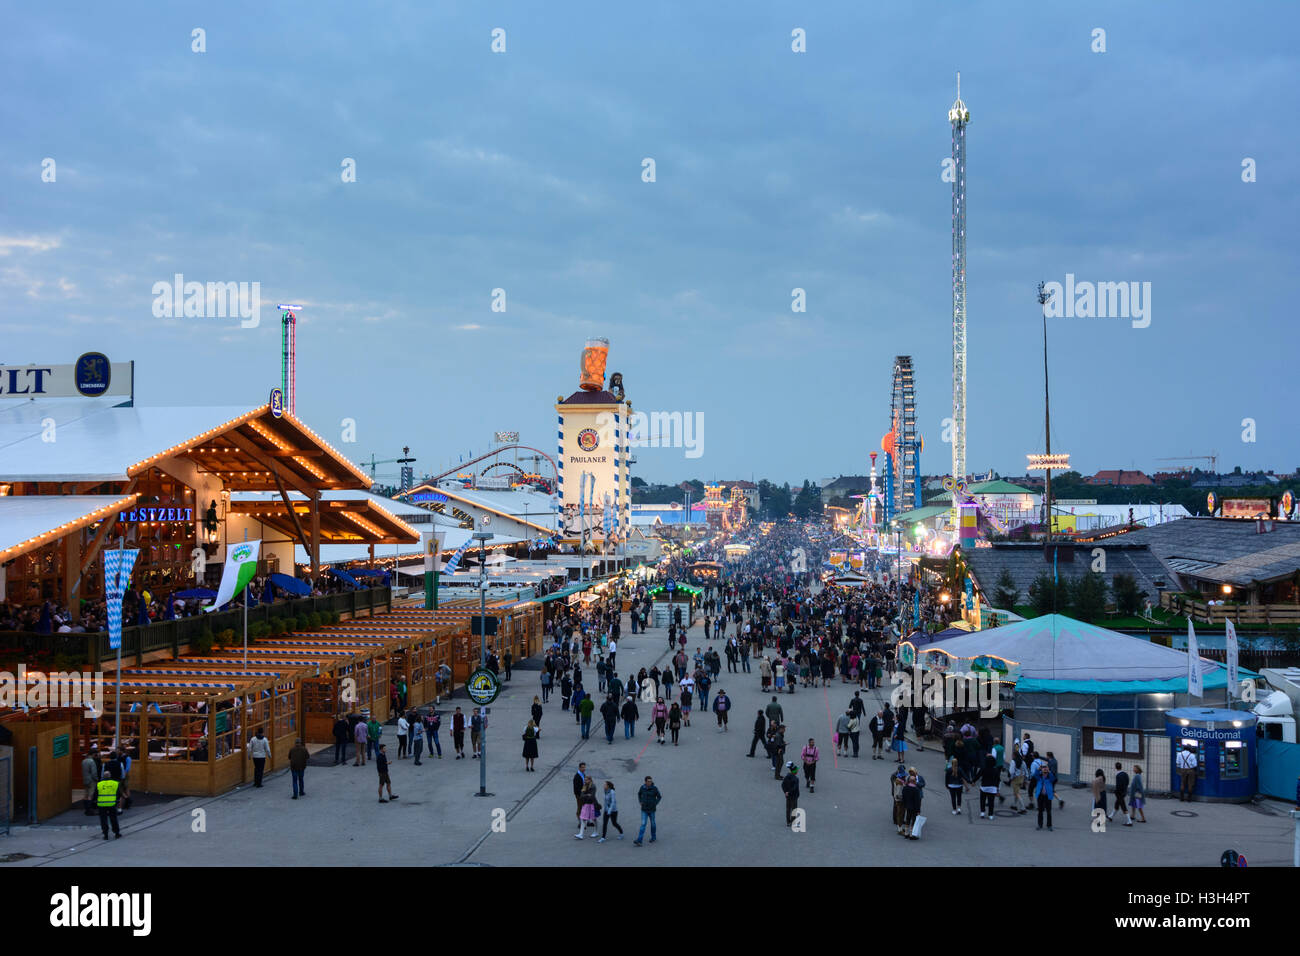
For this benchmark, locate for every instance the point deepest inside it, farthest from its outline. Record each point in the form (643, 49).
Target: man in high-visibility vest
(106, 799)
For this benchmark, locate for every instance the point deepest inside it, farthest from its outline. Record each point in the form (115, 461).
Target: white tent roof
(1059, 648)
(93, 442)
(24, 518)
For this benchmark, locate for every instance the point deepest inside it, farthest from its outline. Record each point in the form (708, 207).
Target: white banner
(1231, 648)
(241, 565)
(433, 544)
(1195, 686)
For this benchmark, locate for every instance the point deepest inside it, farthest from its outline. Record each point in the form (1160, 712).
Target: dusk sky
(774, 170)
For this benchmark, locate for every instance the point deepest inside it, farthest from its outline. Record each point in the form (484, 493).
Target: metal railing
(175, 636)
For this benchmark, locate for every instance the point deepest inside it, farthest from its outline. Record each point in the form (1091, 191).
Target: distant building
(1119, 478)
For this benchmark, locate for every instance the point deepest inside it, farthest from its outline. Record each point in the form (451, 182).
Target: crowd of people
(142, 607)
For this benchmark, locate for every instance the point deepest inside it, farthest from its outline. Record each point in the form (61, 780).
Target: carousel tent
(1057, 654)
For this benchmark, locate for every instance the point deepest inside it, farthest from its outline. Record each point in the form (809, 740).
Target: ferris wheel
(906, 443)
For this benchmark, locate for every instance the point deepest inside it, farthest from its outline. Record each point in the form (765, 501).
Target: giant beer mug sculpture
(592, 369)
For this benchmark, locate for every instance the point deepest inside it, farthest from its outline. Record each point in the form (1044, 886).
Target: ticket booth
(1227, 768)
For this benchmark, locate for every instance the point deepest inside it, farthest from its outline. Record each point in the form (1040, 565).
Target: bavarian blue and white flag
(117, 572)
(454, 563)
(1194, 684)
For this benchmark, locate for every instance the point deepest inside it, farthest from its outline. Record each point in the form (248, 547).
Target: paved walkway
(719, 806)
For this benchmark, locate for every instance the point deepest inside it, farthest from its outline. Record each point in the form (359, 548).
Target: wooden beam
(315, 536)
(97, 542)
(284, 496)
(262, 458)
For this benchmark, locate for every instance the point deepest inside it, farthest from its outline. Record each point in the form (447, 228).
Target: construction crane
(406, 459)
(1212, 458)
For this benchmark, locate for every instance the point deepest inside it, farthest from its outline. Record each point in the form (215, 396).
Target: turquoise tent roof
(1058, 654)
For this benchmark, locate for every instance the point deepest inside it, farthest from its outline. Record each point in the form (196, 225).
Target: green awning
(566, 591)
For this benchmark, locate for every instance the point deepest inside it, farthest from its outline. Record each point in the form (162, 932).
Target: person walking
(586, 808)
(431, 725)
(1099, 791)
(1017, 773)
(990, 777)
(630, 716)
(536, 713)
(842, 734)
(658, 718)
(1046, 791)
(774, 712)
(776, 747)
(403, 729)
(508, 660)
(1186, 763)
(1138, 794)
(90, 775)
(810, 755)
(259, 748)
(687, 686)
(585, 710)
(899, 742)
(1121, 791)
(530, 745)
(790, 787)
(342, 733)
(877, 728)
(106, 798)
(912, 794)
(381, 765)
(649, 798)
(952, 779)
(374, 730)
(546, 685)
(611, 813)
(579, 781)
(675, 721)
(417, 740)
(855, 730)
(609, 713)
(361, 733)
(476, 730)
(458, 733)
(721, 707)
(298, 757)
(760, 733)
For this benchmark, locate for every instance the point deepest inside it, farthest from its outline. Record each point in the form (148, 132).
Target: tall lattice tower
(958, 116)
(289, 360)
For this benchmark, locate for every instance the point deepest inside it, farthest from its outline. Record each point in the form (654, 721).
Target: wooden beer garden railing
(175, 637)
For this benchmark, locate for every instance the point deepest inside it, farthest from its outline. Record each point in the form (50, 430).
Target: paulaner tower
(958, 116)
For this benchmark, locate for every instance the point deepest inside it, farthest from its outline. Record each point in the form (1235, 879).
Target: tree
(1128, 599)
(777, 504)
(1047, 596)
(1088, 596)
(1005, 592)
(638, 482)
(807, 502)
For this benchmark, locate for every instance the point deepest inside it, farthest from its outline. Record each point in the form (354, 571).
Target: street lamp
(482, 537)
